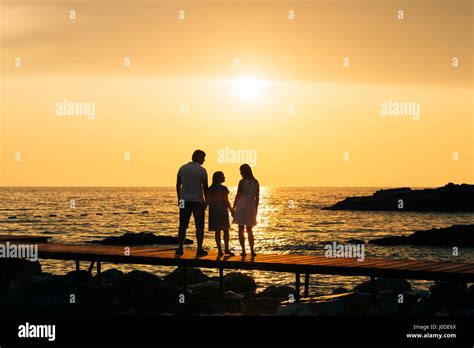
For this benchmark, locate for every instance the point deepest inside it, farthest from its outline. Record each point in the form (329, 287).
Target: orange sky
(307, 119)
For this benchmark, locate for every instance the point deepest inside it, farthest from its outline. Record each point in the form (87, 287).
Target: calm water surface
(290, 221)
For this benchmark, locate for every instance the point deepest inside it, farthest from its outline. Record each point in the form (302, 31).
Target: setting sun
(248, 87)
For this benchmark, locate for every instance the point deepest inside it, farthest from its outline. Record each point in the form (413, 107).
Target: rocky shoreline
(449, 198)
(141, 238)
(26, 290)
(456, 235)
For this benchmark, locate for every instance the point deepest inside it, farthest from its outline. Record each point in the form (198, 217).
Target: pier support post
(306, 285)
(297, 287)
(78, 265)
(91, 266)
(221, 280)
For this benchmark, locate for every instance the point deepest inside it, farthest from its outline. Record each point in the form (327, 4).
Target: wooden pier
(298, 264)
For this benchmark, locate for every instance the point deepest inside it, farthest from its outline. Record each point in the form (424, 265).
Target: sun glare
(248, 87)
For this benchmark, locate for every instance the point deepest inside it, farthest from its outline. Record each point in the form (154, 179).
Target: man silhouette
(191, 187)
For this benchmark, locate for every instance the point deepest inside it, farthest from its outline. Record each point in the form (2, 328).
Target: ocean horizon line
(267, 186)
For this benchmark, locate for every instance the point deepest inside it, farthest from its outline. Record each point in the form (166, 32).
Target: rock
(423, 308)
(386, 304)
(456, 235)
(47, 294)
(239, 282)
(260, 306)
(358, 304)
(322, 305)
(111, 276)
(139, 286)
(338, 291)
(410, 299)
(17, 272)
(419, 293)
(77, 277)
(230, 295)
(278, 291)
(447, 293)
(463, 312)
(372, 310)
(443, 312)
(295, 309)
(208, 285)
(43, 294)
(448, 198)
(142, 238)
(468, 299)
(355, 241)
(384, 284)
(232, 301)
(194, 276)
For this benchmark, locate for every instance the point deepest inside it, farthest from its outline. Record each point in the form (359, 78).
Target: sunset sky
(305, 96)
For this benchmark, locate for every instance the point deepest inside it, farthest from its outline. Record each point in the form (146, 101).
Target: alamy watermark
(400, 108)
(237, 156)
(21, 251)
(79, 109)
(345, 250)
(28, 330)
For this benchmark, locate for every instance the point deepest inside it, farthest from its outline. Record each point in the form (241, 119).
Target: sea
(290, 221)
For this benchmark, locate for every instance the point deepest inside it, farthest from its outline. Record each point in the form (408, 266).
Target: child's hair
(217, 178)
(247, 172)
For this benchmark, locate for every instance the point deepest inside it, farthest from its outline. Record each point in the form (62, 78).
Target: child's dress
(246, 206)
(218, 212)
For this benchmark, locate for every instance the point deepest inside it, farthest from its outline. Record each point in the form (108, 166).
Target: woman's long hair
(247, 172)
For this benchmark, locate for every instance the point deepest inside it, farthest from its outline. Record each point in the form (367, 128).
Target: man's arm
(178, 187)
(205, 188)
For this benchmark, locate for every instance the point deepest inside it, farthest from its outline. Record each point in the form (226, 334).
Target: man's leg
(198, 213)
(184, 216)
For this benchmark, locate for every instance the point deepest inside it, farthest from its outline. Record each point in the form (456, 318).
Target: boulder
(448, 198)
(468, 299)
(74, 278)
(384, 284)
(447, 293)
(193, 276)
(423, 308)
(16, 272)
(355, 241)
(260, 306)
(111, 276)
(239, 282)
(278, 291)
(321, 305)
(139, 286)
(339, 291)
(206, 286)
(141, 238)
(456, 235)
(206, 298)
(43, 294)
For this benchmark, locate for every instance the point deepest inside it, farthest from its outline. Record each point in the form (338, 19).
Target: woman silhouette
(246, 206)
